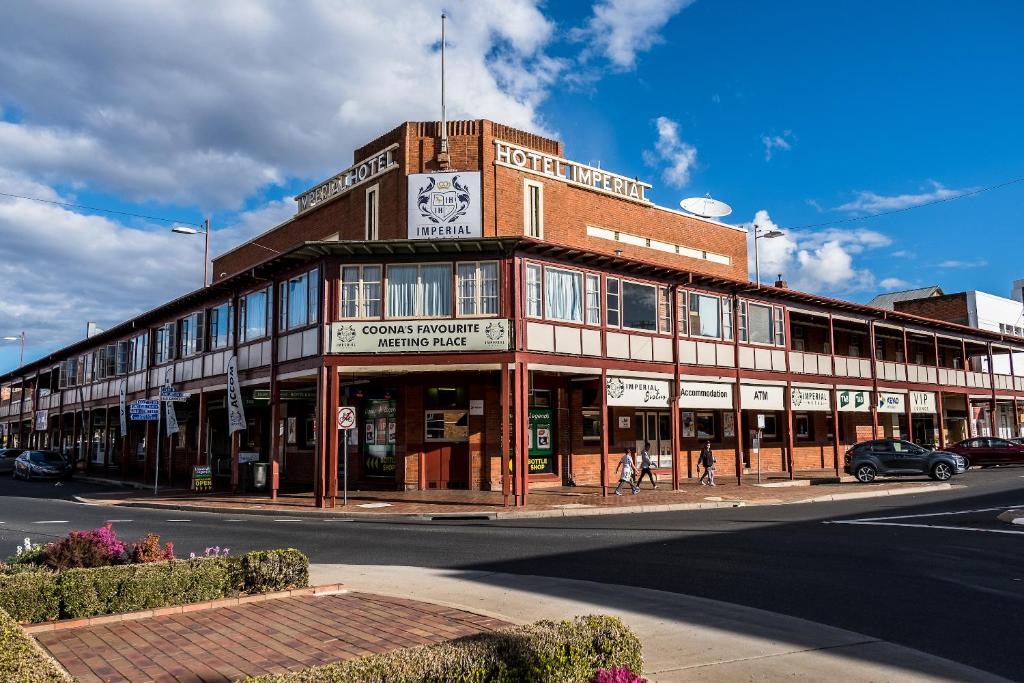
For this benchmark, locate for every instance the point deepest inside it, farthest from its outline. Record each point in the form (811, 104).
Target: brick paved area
(265, 637)
(435, 502)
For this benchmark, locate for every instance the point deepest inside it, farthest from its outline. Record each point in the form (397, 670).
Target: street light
(21, 355)
(185, 230)
(761, 235)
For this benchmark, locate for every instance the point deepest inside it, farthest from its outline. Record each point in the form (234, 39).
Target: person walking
(707, 460)
(628, 467)
(646, 467)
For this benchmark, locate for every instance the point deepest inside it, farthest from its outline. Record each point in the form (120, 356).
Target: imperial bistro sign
(365, 170)
(574, 173)
(421, 336)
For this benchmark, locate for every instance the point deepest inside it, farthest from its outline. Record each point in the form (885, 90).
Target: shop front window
(705, 423)
(591, 425)
(379, 437)
(447, 416)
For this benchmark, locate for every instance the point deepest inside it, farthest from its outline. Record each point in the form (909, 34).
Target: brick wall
(949, 308)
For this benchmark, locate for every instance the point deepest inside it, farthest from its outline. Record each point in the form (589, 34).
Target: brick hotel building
(484, 295)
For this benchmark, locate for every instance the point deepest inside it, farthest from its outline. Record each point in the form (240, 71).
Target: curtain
(401, 291)
(436, 290)
(488, 288)
(563, 291)
(298, 304)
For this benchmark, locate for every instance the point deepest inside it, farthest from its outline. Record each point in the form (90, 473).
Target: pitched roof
(888, 299)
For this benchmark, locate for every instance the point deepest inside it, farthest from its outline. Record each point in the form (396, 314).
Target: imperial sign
(445, 205)
(423, 336)
(638, 392)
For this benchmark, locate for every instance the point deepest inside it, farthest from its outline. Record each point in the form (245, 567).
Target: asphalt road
(936, 572)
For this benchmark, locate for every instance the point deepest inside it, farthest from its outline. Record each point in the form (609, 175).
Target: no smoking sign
(346, 417)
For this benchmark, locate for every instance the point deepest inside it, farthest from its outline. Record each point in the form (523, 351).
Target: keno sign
(445, 206)
(637, 392)
(421, 336)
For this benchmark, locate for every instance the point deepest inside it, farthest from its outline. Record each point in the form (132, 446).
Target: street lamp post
(760, 235)
(21, 354)
(185, 230)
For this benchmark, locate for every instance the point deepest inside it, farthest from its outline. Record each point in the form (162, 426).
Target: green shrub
(545, 651)
(29, 595)
(274, 570)
(133, 587)
(21, 660)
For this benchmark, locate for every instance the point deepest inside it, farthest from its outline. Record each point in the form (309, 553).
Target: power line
(96, 208)
(908, 208)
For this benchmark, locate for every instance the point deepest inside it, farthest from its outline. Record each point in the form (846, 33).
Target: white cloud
(776, 142)
(893, 283)
(956, 263)
(870, 201)
(680, 156)
(619, 29)
(814, 261)
(199, 104)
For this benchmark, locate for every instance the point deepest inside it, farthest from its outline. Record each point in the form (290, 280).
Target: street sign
(346, 417)
(144, 410)
(170, 394)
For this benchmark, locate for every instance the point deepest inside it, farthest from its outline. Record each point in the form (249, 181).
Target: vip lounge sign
(757, 397)
(810, 399)
(922, 402)
(853, 401)
(421, 336)
(445, 206)
(890, 403)
(705, 395)
(638, 392)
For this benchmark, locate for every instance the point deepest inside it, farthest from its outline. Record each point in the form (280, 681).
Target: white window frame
(583, 298)
(657, 305)
(478, 297)
(361, 298)
(538, 282)
(372, 212)
(211, 316)
(617, 308)
(592, 295)
(418, 313)
(528, 226)
(721, 315)
(244, 317)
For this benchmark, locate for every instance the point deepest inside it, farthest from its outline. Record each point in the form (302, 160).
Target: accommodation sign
(572, 172)
(445, 206)
(421, 336)
(365, 170)
(705, 395)
(638, 392)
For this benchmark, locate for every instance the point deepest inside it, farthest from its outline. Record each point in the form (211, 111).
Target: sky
(806, 117)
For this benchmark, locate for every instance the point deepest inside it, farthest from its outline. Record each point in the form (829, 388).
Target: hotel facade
(500, 318)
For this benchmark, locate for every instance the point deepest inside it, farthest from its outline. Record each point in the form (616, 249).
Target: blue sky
(803, 114)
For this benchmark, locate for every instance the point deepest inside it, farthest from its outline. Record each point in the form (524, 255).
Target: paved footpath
(685, 638)
(273, 636)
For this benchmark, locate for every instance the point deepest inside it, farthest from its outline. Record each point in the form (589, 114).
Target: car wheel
(967, 463)
(866, 474)
(942, 471)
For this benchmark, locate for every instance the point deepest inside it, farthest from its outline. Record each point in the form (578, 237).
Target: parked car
(7, 458)
(1019, 439)
(987, 451)
(869, 459)
(41, 465)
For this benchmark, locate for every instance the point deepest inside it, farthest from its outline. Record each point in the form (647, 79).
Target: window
(138, 352)
(665, 310)
(593, 299)
(446, 425)
(705, 315)
(770, 430)
(727, 318)
(591, 425)
(705, 423)
(639, 306)
(478, 288)
(420, 291)
(163, 339)
(854, 348)
(533, 208)
(254, 311)
(220, 326)
(299, 300)
(111, 360)
(360, 291)
(612, 301)
(760, 323)
(681, 314)
(802, 426)
(533, 290)
(563, 295)
(190, 337)
(372, 204)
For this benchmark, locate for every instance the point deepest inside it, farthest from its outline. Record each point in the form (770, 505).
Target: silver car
(7, 458)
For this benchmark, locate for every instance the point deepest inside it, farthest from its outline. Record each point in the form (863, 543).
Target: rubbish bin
(259, 476)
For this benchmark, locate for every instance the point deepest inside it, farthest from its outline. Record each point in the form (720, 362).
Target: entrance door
(447, 466)
(655, 428)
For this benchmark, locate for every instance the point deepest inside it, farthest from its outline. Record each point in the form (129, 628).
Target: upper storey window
(419, 291)
(360, 291)
(762, 324)
(533, 208)
(255, 310)
(705, 315)
(478, 288)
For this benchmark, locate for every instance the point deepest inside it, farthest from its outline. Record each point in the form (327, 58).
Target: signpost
(346, 422)
(757, 443)
(146, 411)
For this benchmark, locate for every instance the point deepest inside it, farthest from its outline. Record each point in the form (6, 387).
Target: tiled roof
(887, 300)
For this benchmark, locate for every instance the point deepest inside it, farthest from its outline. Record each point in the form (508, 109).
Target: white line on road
(119, 521)
(930, 526)
(179, 520)
(234, 520)
(52, 521)
(289, 519)
(929, 514)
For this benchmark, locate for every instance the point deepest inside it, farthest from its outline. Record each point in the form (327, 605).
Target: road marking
(929, 514)
(119, 521)
(888, 521)
(178, 520)
(52, 521)
(289, 519)
(932, 526)
(234, 520)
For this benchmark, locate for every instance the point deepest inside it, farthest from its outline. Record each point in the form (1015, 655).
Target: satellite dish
(706, 207)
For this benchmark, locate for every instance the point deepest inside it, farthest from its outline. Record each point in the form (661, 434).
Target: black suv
(868, 459)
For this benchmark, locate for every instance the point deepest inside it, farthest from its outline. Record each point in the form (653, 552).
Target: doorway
(655, 428)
